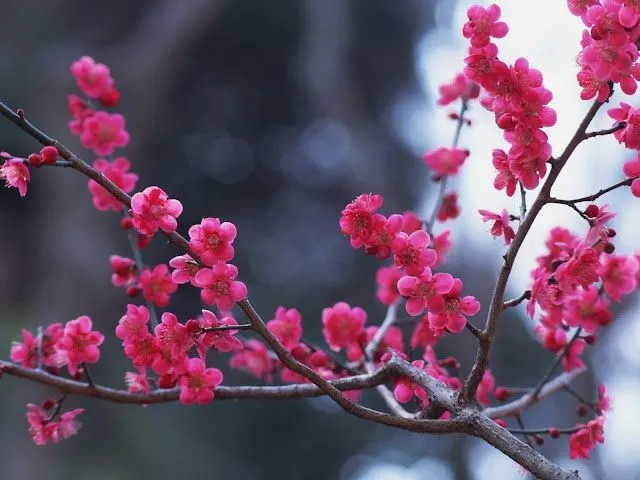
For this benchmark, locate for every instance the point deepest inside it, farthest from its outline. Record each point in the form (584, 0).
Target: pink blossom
(15, 174)
(79, 344)
(423, 335)
(452, 315)
(571, 360)
(632, 170)
(25, 352)
(442, 243)
(173, 338)
(103, 132)
(500, 225)
(287, 326)
(586, 308)
(630, 134)
(41, 428)
(219, 285)
(157, 285)
(581, 269)
(253, 359)
(425, 291)
(198, 383)
(505, 179)
(579, 7)
(459, 87)
(117, 172)
(445, 161)
(411, 222)
(404, 388)
(137, 382)
(584, 440)
(144, 351)
(387, 279)
(211, 240)
(618, 274)
(483, 24)
(68, 425)
(222, 340)
(94, 79)
(552, 336)
(411, 252)
(487, 385)
(152, 209)
(124, 271)
(358, 218)
(384, 231)
(185, 269)
(343, 325)
(449, 207)
(134, 323)
(605, 404)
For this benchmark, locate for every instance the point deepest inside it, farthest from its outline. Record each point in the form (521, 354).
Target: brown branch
(526, 401)
(221, 328)
(606, 131)
(526, 295)
(496, 307)
(554, 365)
(590, 198)
(303, 390)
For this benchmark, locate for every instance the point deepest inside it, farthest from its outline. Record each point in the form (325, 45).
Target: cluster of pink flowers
(629, 118)
(575, 282)
(166, 352)
(609, 52)
(71, 344)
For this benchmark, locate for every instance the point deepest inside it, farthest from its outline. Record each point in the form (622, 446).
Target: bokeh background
(275, 115)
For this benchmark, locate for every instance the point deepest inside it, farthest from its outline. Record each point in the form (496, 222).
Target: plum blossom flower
(618, 274)
(157, 285)
(445, 161)
(425, 291)
(500, 225)
(411, 252)
(387, 279)
(452, 315)
(117, 172)
(221, 340)
(94, 79)
(15, 174)
(124, 271)
(211, 240)
(152, 209)
(343, 325)
(254, 359)
(185, 269)
(79, 343)
(104, 132)
(287, 326)
(357, 218)
(487, 385)
(198, 383)
(483, 24)
(219, 285)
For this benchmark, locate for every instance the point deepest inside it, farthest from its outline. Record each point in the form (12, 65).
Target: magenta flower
(198, 383)
(185, 269)
(222, 340)
(500, 225)
(211, 240)
(152, 209)
(358, 217)
(618, 274)
(425, 291)
(287, 326)
(104, 132)
(343, 325)
(483, 24)
(94, 79)
(157, 285)
(445, 161)
(253, 359)
(387, 279)
(15, 174)
(118, 172)
(452, 315)
(219, 285)
(79, 344)
(411, 252)
(586, 308)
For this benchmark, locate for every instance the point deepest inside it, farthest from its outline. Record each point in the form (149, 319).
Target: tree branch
(590, 198)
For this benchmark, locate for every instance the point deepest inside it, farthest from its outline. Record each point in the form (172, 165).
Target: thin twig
(523, 201)
(526, 295)
(222, 328)
(606, 131)
(590, 198)
(545, 378)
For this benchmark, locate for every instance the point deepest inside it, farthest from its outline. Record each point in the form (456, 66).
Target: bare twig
(222, 328)
(545, 378)
(526, 295)
(590, 198)
(606, 131)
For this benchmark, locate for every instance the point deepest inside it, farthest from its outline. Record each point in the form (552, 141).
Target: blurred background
(274, 115)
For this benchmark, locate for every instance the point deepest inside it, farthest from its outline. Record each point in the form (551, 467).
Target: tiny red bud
(611, 233)
(538, 439)
(192, 326)
(590, 339)
(110, 98)
(133, 291)
(20, 112)
(35, 160)
(581, 410)
(468, 121)
(592, 211)
(609, 247)
(48, 404)
(299, 352)
(126, 223)
(500, 422)
(49, 154)
(501, 394)
(554, 433)
(454, 116)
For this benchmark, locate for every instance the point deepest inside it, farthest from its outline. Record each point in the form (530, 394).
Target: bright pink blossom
(104, 132)
(442, 243)
(459, 87)
(411, 252)
(15, 174)
(423, 335)
(287, 326)
(219, 285)
(487, 385)
(357, 218)
(632, 170)
(587, 309)
(404, 388)
(455, 308)
(571, 360)
(411, 222)
(425, 291)
(343, 325)
(157, 285)
(25, 352)
(254, 358)
(94, 79)
(152, 209)
(124, 271)
(173, 337)
(134, 323)
(118, 172)
(483, 24)
(68, 425)
(618, 275)
(387, 279)
(605, 403)
(137, 382)
(211, 240)
(221, 340)
(584, 440)
(384, 231)
(79, 344)
(198, 383)
(449, 207)
(500, 225)
(185, 269)
(445, 161)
